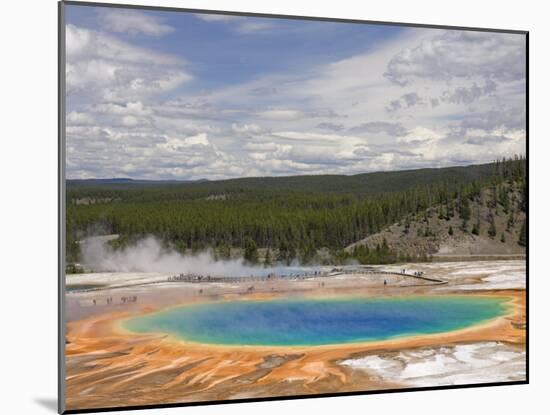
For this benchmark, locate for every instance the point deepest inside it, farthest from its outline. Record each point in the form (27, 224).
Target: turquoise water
(307, 322)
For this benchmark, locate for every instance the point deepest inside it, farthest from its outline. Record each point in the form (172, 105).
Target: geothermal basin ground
(142, 340)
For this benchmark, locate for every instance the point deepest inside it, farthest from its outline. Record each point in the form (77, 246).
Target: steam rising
(148, 255)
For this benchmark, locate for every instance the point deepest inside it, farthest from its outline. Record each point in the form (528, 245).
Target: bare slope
(443, 231)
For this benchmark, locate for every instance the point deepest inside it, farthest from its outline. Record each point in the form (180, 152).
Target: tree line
(293, 222)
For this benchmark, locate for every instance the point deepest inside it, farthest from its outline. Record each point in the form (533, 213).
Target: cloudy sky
(165, 95)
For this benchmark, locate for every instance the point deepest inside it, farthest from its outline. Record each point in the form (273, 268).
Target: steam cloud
(148, 255)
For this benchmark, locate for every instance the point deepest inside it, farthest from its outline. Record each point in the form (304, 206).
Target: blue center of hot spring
(309, 322)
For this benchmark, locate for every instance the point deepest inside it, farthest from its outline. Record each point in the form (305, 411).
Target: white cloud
(132, 22)
(80, 118)
(242, 24)
(176, 143)
(281, 114)
(461, 54)
(377, 127)
(288, 127)
(130, 121)
(217, 17)
(312, 137)
(267, 147)
(246, 128)
(254, 27)
(102, 66)
(135, 108)
(87, 44)
(421, 134)
(467, 95)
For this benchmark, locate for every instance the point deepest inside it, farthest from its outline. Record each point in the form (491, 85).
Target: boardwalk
(299, 276)
(205, 279)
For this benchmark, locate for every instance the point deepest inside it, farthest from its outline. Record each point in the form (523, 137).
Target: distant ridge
(362, 183)
(127, 180)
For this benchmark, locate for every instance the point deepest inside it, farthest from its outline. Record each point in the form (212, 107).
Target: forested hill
(285, 217)
(360, 184)
(489, 223)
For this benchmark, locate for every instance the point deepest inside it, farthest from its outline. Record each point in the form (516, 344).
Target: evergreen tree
(504, 198)
(523, 196)
(287, 252)
(477, 225)
(511, 220)
(523, 234)
(492, 231)
(492, 200)
(308, 252)
(450, 209)
(441, 215)
(250, 251)
(282, 254)
(224, 252)
(407, 226)
(268, 261)
(464, 211)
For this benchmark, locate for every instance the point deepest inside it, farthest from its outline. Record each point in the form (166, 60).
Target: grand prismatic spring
(313, 322)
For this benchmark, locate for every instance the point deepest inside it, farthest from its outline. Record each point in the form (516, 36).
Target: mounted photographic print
(258, 207)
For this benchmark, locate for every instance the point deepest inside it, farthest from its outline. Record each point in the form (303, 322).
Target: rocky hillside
(489, 224)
